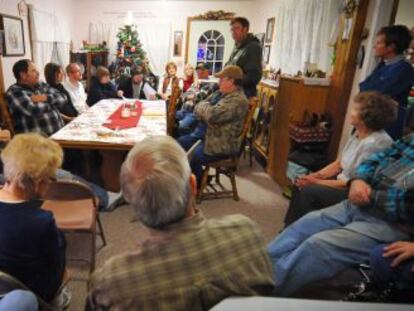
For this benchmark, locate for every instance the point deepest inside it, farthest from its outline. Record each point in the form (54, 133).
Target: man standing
(393, 76)
(247, 54)
(75, 87)
(33, 105)
(183, 261)
(136, 86)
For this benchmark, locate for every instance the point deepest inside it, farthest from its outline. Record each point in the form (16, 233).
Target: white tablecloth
(88, 127)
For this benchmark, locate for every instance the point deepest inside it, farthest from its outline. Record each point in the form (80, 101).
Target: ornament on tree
(130, 55)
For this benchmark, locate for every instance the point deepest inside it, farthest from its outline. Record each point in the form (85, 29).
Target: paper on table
(148, 91)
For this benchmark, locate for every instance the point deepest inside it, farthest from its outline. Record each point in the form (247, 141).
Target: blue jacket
(395, 80)
(32, 248)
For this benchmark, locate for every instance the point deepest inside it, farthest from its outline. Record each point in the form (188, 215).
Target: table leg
(111, 167)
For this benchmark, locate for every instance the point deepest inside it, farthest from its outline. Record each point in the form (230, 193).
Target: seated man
(183, 261)
(75, 88)
(33, 105)
(380, 209)
(137, 87)
(224, 121)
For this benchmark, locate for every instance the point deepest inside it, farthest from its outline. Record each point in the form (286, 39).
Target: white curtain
(302, 33)
(50, 39)
(155, 39)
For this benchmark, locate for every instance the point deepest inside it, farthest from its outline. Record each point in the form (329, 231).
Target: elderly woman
(32, 248)
(370, 113)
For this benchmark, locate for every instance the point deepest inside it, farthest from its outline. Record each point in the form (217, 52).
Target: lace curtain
(53, 44)
(303, 30)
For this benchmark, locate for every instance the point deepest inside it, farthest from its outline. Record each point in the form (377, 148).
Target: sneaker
(368, 292)
(62, 299)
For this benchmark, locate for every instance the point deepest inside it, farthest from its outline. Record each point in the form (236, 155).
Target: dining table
(113, 127)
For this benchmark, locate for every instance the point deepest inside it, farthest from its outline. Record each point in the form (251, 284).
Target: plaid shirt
(391, 176)
(28, 116)
(191, 265)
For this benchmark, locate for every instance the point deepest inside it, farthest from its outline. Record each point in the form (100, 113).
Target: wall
(405, 13)
(175, 12)
(62, 8)
(379, 14)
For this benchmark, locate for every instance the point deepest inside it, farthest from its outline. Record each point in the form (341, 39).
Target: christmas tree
(130, 55)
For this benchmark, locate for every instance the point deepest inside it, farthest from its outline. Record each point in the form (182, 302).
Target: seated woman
(170, 81)
(102, 87)
(32, 248)
(190, 78)
(370, 113)
(54, 77)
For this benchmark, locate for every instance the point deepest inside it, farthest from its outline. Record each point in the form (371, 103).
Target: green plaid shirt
(191, 265)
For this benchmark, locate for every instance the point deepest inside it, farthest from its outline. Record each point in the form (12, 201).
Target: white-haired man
(187, 262)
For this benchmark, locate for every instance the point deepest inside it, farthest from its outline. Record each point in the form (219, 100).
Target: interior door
(209, 41)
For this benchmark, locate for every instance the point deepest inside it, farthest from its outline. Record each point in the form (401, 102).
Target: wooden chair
(227, 167)
(74, 207)
(9, 283)
(171, 109)
(7, 121)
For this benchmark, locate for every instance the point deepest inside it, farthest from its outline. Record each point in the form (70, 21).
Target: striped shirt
(29, 116)
(391, 176)
(190, 265)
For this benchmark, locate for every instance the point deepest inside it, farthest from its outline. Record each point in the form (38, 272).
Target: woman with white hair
(32, 248)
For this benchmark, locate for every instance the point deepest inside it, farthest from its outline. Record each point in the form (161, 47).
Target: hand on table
(38, 98)
(401, 251)
(120, 93)
(152, 97)
(360, 192)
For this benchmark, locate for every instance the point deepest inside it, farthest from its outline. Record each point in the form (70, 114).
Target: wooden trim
(92, 145)
(187, 38)
(343, 75)
(29, 26)
(394, 11)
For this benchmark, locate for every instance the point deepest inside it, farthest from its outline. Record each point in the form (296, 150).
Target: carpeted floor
(260, 199)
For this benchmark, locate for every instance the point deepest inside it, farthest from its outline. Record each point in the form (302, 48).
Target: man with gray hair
(185, 262)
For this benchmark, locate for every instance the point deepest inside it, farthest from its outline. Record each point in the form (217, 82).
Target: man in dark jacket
(247, 54)
(136, 86)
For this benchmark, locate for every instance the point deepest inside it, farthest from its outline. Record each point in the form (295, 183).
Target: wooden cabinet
(90, 61)
(267, 92)
(293, 98)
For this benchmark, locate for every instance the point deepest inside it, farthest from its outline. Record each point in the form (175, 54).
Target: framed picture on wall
(261, 37)
(269, 29)
(178, 43)
(13, 35)
(266, 54)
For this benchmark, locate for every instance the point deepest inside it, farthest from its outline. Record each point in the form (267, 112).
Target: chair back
(9, 283)
(171, 109)
(191, 151)
(7, 121)
(253, 102)
(69, 190)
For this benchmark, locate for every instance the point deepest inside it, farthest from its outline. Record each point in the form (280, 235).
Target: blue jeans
(383, 273)
(199, 159)
(325, 242)
(19, 300)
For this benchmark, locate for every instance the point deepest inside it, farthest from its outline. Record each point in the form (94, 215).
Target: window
(211, 50)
